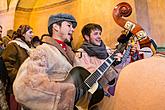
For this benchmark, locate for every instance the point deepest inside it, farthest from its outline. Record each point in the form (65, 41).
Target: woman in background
(13, 56)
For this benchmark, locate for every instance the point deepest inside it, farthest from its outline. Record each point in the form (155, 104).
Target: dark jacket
(13, 56)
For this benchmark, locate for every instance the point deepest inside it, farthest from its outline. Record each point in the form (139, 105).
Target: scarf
(95, 50)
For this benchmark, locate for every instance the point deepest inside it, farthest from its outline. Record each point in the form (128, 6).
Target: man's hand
(135, 48)
(118, 56)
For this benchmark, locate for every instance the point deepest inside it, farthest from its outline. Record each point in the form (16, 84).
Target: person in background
(7, 38)
(13, 56)
(1, 33)
(127, 39)
(3, 78)
(43, 81)
(1, 43)
(35, 41)
(1, 47)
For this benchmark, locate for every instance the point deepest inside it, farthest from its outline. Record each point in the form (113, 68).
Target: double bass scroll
(122, 10)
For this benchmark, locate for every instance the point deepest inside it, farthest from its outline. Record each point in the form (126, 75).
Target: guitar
(88, 82)
(126, 54)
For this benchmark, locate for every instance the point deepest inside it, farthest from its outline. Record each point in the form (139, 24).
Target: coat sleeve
(82, 59)
(111, 75)
(9, 56)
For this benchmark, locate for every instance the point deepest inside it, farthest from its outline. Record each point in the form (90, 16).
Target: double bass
(122, 10)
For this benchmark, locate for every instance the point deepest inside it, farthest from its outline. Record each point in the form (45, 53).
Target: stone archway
(7, 12)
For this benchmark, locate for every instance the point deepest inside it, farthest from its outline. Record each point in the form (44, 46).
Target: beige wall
(157, 18)
(36, 13)
(101, 12)
(7, 13)
(85, 11)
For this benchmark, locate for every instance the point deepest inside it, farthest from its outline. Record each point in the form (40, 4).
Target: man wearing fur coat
(42, 81)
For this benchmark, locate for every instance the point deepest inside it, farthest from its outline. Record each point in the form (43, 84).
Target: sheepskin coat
(43, 81)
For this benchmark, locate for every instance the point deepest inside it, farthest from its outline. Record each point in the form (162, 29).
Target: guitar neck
(126, 54)
(93, 78)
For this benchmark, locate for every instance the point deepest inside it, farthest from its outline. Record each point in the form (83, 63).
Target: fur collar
(21, 43)
(68, 53)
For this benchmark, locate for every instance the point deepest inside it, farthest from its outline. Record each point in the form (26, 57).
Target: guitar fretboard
(93, 78)
(126, 54)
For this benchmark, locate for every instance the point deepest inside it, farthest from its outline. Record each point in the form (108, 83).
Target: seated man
(93, 53)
